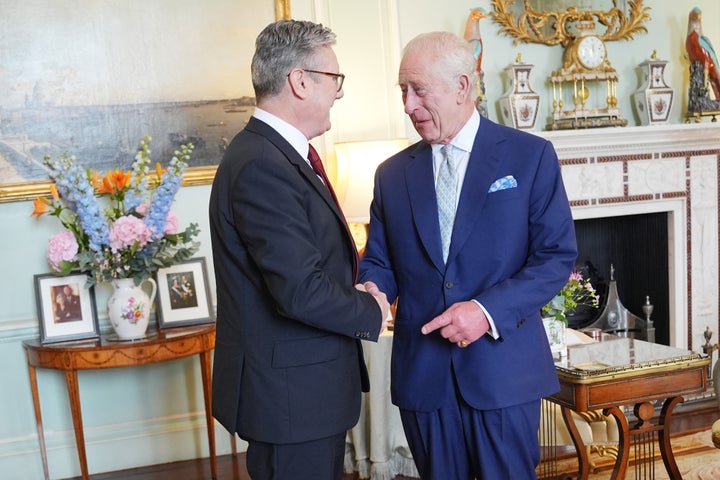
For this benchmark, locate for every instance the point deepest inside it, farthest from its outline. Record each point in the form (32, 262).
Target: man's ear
(298, 82)
(463, 86)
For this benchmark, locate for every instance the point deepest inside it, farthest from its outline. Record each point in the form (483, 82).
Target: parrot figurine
(699, 49)
(472, 35)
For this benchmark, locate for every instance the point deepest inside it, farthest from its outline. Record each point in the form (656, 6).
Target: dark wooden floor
(233, 468)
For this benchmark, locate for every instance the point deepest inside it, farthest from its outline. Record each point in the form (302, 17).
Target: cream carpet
(695, 455)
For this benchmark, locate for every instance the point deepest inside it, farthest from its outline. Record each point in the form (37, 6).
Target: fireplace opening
(637, 247)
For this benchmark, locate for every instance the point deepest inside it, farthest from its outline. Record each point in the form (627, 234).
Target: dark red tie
(317, 165)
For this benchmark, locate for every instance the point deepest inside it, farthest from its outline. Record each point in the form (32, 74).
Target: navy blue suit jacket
(512, 250)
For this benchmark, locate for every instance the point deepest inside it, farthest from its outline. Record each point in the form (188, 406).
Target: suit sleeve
(375, 265)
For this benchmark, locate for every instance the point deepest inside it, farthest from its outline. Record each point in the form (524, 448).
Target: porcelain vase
(555, 331)
(654, 98)
(519, 104)
(129, 307)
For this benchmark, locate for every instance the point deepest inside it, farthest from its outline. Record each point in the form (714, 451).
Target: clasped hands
(380, 298)
(462, 323)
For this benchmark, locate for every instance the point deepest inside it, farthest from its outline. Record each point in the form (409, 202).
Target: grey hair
(450, 55)
(282, 46)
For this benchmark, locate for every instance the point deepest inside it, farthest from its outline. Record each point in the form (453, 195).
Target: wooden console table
(103, 353)
(621, 371)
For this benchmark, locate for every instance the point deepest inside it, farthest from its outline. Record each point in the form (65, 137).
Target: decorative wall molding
(144, 442)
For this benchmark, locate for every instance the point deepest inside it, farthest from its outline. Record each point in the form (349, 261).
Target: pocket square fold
(503, 183)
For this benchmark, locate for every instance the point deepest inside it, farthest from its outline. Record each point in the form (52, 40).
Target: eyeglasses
(339, 77)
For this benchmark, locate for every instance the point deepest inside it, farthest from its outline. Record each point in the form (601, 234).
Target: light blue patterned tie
(446, 192)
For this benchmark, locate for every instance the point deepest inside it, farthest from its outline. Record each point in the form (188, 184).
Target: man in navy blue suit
(470, 357)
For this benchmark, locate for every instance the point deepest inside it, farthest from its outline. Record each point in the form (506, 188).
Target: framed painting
(91, 82)
(66, 308)
(184, 294)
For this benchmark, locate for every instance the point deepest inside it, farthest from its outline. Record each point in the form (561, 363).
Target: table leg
(71, 379)
(38, 419)
(621, 462)
(207, 393)
(664, 437)
(582, 455)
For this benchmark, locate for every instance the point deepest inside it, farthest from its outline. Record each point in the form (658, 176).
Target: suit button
(449, 284)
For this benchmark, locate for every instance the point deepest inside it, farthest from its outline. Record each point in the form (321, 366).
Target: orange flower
(114, 181)
(54, 192)
(40, 207)
(159, 172)
(95, 180)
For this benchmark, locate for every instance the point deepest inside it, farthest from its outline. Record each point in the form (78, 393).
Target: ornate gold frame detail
(527, 26)
(282, 10)
(21, 191)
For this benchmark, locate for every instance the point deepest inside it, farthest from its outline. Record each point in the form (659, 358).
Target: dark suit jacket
(288, 364)
(512, 250)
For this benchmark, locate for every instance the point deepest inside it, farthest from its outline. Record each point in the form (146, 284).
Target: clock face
(591, 51)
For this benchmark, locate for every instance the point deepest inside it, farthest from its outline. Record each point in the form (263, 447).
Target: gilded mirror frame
(531, 25)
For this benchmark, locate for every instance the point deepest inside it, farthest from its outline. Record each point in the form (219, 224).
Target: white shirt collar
(466, 136)
(293, 136)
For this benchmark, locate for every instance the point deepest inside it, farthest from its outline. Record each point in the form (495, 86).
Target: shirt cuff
(493, 330)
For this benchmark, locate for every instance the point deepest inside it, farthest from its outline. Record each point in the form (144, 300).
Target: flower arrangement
(119, 225)
(577, 291)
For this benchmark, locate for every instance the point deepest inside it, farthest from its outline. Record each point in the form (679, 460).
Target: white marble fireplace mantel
(660, 168)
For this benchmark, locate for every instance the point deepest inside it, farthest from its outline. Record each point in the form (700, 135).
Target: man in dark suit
(470, 357)
(288, 369)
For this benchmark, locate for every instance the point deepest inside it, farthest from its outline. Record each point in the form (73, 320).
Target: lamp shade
(356, 165)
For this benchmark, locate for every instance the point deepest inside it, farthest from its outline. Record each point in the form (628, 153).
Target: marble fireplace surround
(660, 168)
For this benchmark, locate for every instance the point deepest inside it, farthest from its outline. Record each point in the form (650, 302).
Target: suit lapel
(423, 203)
(262, 128)
(305, 170)
(481, 171)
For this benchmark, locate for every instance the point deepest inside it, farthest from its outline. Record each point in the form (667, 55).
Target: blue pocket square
(503, 183)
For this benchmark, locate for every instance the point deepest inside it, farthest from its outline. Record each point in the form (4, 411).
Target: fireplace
(636, 248)
(670, 174)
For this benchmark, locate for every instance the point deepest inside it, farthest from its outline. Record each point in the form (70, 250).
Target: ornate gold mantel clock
(588, 81)
(585, 86)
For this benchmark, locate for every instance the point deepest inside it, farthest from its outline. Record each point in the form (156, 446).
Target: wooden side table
(171, 344)
(616, 372)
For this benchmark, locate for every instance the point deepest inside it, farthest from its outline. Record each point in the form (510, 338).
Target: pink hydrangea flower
(142, 208)
(172, 224)
(126, 231)
(62, 247)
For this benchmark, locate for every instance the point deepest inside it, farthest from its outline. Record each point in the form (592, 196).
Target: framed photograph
(184, 294)
(177, 70)
(66, 308)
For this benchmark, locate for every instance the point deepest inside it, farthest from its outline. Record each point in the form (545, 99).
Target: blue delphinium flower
(73, 184)
(165, 192)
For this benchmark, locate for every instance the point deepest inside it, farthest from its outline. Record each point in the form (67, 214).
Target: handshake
(380, 298)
